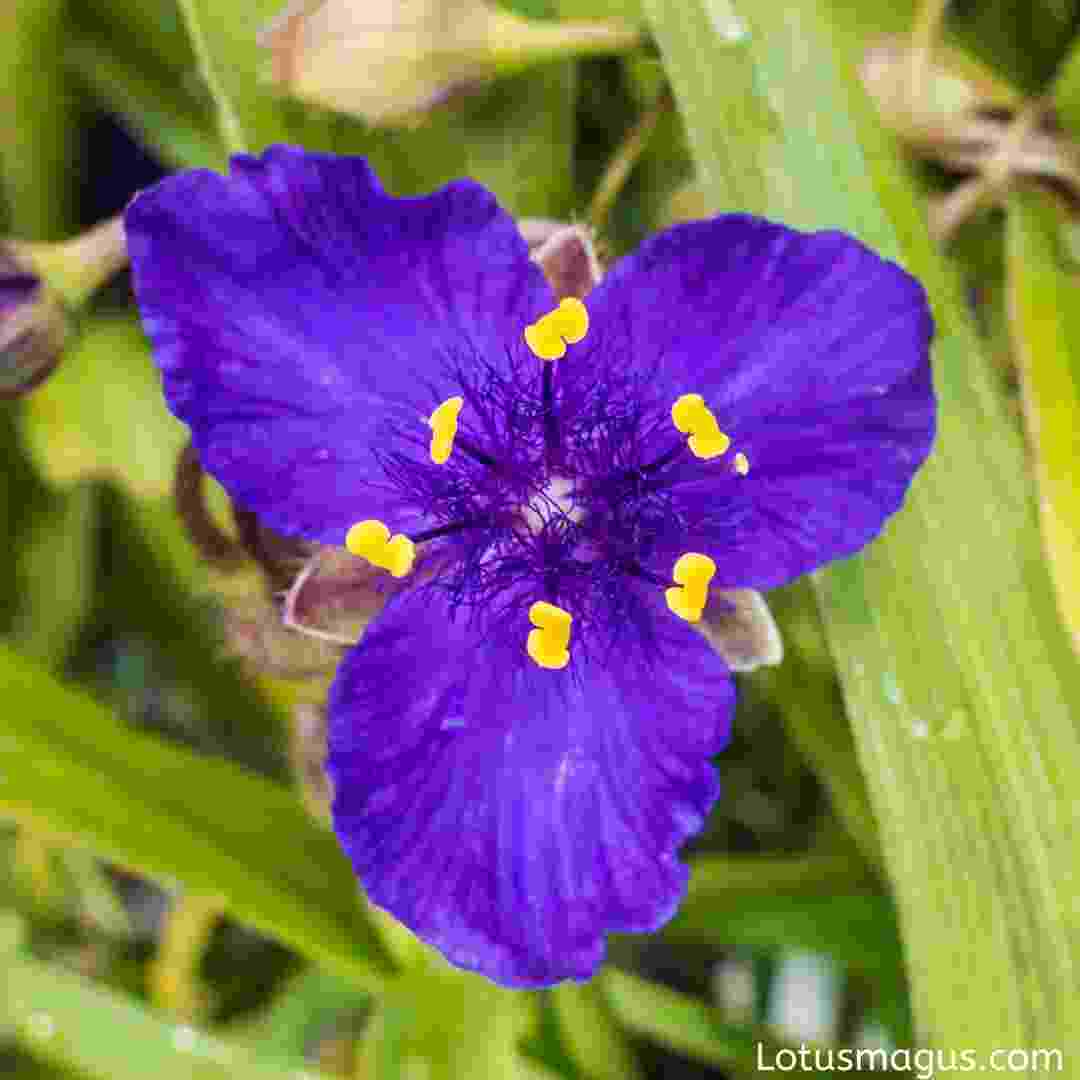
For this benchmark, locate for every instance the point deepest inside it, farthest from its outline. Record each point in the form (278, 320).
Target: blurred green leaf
(22, 498)
(1022, 39)
(1066, 90)
(151, 37)
(1045, 321)
(515, 136)
(304, 1010)
(97, 897)
(629, 10)
(70, 767)
(446, 1024)
(74, 1022)
(733, 880)
(678, 1022)
(222, 39)
(153, 587)
(591, 1034)
(805, 689)
(960, 685)
(518, 138)
(137, 60)
(57, 563)
(37, 142)
(162, 116)
(102, 414)
(858, 930)
(174, 984)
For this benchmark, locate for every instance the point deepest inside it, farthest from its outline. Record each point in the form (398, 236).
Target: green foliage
(1046, 325)
(899, 793)
(957, 678)
(73, 770)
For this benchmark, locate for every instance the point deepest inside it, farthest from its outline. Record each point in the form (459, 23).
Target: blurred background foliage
(892, 860)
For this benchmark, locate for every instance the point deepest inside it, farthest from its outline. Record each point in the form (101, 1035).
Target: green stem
(232, 134)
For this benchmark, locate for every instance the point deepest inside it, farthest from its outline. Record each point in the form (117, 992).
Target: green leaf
(824, 903)
(57, 564)
(162, 115)
(1022, 39)
(70, 767)
(805, 689)
(37, 140)
(73, 1022)
(1066, 91)
(304, 1010)
(678, 1022)
(446, 1023)
(732, 880)
(591, 1034)
(235, 69)
(102, 414)
(958, 680)
(23, 499)
(1045, 324)
(150, 36)
(518, 138)
(225, 51)
(137, 60)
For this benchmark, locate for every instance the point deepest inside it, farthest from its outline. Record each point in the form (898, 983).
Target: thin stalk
(228, 123)
(626, 157)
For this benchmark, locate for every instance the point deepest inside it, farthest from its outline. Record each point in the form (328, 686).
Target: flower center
(535, 530)
(553, 504)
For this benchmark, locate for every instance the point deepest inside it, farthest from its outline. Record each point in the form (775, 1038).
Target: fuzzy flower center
(553, 504)
(547, 493)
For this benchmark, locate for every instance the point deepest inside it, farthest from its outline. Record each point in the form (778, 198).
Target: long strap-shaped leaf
(958, 679)
(68, 766)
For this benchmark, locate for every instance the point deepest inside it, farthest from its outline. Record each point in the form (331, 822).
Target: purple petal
(813, 354)
(509, 815)
(17, 289)
(295, 308)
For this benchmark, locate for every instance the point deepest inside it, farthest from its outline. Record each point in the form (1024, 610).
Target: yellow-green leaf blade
(1045, 321)
(70, 767)
(961, 687)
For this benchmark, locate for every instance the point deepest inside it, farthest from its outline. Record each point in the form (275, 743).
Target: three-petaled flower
(521, 742)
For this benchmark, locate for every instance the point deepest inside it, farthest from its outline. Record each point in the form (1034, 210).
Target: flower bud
(740, 627)
(38, 284)
(33, 327)
(565, 253)
(389, 61)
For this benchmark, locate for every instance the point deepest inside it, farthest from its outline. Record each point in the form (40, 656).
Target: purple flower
(754, 398)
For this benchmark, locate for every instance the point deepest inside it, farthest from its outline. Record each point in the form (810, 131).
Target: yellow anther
(371, 540)
(550, 334)
(443, 423)
(692, 573)
(742, 465)
(547, 644)
(692, 416)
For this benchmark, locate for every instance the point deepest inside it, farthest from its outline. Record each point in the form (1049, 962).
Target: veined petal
(813, 355)
(294, 307)
(511, 815)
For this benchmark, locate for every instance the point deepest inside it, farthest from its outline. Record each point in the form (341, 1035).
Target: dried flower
(33, 327)
(39, 283)
(390, 61)
(521, 741)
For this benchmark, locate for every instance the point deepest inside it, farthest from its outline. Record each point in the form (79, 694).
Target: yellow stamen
(371, 540)
(550, 334)
(742, 465)
(547, 644)
(692, 573)
(443, 422)
(692, 415)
